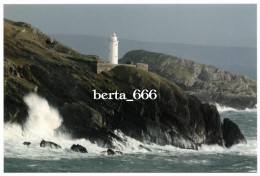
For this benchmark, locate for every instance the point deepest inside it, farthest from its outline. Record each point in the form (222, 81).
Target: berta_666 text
(137, 94)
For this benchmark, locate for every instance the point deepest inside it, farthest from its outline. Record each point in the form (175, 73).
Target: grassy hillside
(207, 82)
(34, 62)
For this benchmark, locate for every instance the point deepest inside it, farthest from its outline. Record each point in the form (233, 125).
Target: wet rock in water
(213, 125)
(49, 144)
(112, 152)
(78, 148)
(143, 147)
(27, 143)
(232, 134)
(119, 152)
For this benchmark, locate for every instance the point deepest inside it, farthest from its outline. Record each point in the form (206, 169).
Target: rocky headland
(34, 62)
(208, 83)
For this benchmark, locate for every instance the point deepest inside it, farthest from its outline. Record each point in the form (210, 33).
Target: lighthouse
(113, 50)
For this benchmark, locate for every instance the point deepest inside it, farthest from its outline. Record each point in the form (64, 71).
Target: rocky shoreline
(208, 83)
(33, 62)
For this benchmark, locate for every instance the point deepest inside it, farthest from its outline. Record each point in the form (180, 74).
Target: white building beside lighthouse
(113, 50)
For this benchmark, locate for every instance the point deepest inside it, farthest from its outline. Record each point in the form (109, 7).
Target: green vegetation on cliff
(208, 83)
(34, 62)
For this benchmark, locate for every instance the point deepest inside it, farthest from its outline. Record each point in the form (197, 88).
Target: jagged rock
(112, 152)
(49, 41)
(143, 147)
(232, 134)
(78, 148)
(208, 83)
(49, 144)
(27, 143)
(111, 138)
(213, 124)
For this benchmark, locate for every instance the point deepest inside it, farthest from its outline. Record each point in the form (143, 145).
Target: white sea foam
(41, 124)
(132, 146)
(240, 149)
(44, 119)
(222, 108)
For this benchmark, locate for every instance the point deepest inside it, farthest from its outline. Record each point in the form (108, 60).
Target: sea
(44, 119)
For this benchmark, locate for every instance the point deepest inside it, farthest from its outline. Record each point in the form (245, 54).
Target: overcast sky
(221, 25)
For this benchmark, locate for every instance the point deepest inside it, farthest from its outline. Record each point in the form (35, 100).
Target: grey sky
(221, 25)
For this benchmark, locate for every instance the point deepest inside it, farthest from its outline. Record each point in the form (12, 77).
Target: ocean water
(44, 119)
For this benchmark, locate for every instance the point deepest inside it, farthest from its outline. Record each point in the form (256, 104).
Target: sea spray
(14, 136)
(222, 108)
(43, 119)
(41, 123)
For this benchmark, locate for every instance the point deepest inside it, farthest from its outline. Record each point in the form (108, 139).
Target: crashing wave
(44, 119)
(222, 108)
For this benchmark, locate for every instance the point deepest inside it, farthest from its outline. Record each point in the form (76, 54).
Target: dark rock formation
(208, 83)
(143, 147)
(213, 125)
(49, 144)
(232, 134)
(27, 143)
(78, 148)
(112, 152)
(66, 79)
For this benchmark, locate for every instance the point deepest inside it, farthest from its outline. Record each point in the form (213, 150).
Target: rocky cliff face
(208, 83)
(33, 62)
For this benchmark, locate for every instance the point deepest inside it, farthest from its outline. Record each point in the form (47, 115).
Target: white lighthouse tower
(113, 50)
